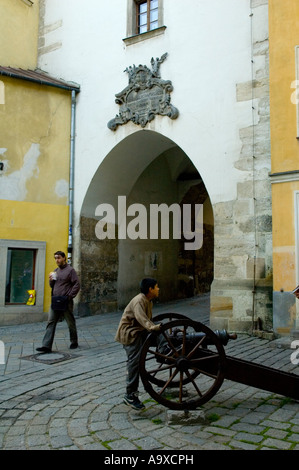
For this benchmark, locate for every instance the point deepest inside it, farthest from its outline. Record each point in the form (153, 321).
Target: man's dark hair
(60, 253)
(146, 283)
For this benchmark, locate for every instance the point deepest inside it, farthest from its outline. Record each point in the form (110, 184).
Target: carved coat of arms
(145, 96)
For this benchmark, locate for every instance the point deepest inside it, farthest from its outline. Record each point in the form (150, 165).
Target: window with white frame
(22, 269)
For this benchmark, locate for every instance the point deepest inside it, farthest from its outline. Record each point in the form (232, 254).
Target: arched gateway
(146, 178)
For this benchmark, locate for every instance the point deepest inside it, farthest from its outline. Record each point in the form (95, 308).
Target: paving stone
(60, 441)
(35, 440)
(123, 444)
(277, 444)
(219, 430)
(247, 437)
(293, 437)
(148, 443)
(276, 433)
(254, 418)
(242, 445)
(246, 427)
(282, 415)
(275, 424)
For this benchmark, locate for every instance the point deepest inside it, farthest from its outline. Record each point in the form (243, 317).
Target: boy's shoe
(133, 401)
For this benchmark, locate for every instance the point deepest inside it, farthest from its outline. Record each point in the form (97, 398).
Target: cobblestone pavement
(76, 404)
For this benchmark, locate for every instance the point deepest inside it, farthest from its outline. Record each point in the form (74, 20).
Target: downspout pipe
(72, 172)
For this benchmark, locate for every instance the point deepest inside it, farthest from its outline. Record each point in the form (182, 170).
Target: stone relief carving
(145, 96)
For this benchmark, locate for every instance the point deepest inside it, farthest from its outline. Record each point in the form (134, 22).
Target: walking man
(64, 282)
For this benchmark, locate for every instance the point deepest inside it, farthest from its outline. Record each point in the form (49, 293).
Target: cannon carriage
(184, 365)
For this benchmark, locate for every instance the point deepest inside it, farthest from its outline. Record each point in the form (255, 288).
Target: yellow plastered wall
(283, 37)
(35, 151)
(35, 142)
(36, 222)
(19, 33)
(284, 235)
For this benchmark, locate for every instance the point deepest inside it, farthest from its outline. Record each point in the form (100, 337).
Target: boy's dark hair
(146, 283)
(60, 253)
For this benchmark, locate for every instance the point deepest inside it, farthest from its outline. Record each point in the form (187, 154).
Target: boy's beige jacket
(136, 319)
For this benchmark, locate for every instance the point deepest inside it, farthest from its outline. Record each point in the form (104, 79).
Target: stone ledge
(264, 334)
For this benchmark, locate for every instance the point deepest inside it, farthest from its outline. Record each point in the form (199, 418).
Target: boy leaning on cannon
(135, 324)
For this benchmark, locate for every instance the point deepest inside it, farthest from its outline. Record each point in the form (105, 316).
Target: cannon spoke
(200, 371)
(170, 344)
(168, 381)
(193, 383)
(206, 359)
(181, 387)
(207, 365)
(160, 369)
(192, 352)
(160, 355)
(184, 342)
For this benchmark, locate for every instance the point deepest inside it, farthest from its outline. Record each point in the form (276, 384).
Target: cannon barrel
(194, 337)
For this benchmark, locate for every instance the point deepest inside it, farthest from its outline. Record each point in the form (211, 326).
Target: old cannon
(185, 365)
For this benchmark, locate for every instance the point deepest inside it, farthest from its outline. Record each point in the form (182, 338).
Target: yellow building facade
(284, 121)
(36, 113)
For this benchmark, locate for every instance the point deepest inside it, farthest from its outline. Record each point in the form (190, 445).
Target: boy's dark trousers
(133, 352)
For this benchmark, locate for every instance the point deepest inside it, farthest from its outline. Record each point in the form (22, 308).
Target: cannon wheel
(188, 376)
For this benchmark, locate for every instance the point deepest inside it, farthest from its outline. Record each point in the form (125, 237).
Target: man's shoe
(74, 346)
(133, 401)
(44, 349)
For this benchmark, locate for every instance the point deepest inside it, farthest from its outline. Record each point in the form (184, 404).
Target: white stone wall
(210, 46)
(208, 43)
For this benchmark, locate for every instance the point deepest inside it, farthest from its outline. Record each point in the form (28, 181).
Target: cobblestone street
(76, 403)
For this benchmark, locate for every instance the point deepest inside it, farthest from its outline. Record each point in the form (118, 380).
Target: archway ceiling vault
(120, 169)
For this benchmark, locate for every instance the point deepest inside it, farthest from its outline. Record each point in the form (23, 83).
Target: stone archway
(148, 169)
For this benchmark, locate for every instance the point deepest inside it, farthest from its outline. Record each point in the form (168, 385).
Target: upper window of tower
(144, 20)
(147, 14)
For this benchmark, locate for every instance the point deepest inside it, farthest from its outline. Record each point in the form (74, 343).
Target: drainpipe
(253, 174)
(72, 170)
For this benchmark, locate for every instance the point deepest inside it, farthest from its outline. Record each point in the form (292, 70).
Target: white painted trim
(287, 177)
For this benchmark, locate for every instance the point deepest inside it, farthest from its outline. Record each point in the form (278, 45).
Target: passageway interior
(146, 169)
